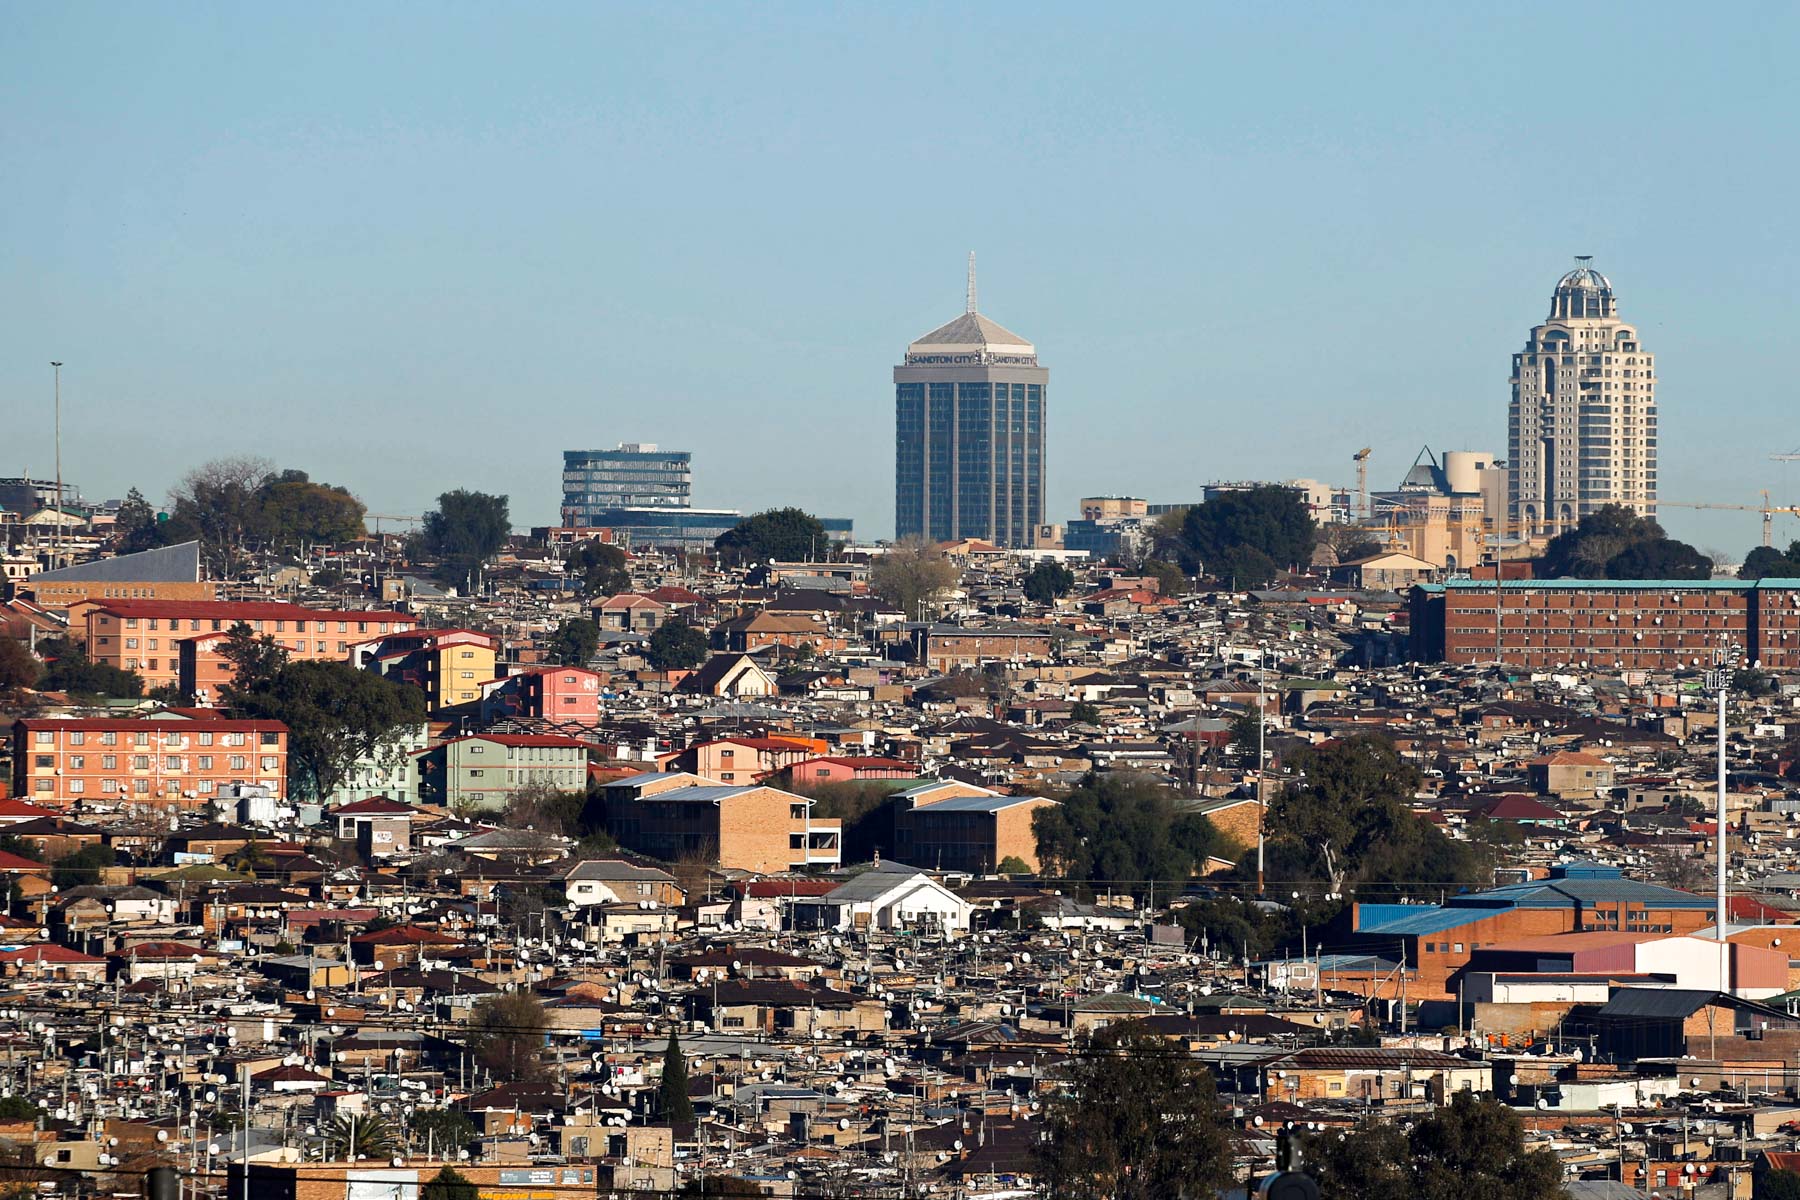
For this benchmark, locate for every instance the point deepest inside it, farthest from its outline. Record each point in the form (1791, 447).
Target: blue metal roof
(1421, 919)
(975, 804)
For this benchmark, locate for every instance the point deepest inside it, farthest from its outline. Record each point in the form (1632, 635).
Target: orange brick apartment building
(1655, 625)
(674, 815)
(160, 761)
(176, 641)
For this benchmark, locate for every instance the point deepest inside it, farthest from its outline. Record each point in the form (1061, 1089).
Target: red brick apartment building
(165, 761)
(160, 638)
(1647, 625)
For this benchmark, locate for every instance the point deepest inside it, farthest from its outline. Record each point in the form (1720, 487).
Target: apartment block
(448, 665)
(544, 694)
(673, 815)
(155, 638)
(1646, 625)
(482, 771)
(161, 762)
(952, 826)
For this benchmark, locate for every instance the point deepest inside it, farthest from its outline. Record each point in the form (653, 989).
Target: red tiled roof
(373, 806)
(15, 862)
(404, 935)
(154, 951)
(522, 739)
(236, 610)
(130, 725)
(47, 952)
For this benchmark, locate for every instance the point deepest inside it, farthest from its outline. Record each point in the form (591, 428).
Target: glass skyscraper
(969, 435)
(633, 476)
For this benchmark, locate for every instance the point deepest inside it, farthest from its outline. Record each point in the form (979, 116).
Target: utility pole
(1726, 660)
(57, 535)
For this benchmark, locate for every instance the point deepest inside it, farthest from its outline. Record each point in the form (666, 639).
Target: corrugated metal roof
(165, 564)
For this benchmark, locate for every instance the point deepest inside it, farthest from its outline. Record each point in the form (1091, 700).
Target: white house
(612, 881)
(889, 896)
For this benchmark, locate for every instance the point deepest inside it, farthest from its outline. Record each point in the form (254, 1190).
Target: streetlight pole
(1725, 661)
(56, 545)
(1262, 800)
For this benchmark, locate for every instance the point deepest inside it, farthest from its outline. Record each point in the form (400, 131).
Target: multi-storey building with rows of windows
(969, 429)
(1581, 432)
(159, 763)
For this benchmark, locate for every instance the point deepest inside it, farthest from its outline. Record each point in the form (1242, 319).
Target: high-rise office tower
(636, 475)
(969, 433)
(1581, 432)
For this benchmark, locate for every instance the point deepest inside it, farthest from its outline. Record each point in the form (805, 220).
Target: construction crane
(1767, 510)
(1361, 479)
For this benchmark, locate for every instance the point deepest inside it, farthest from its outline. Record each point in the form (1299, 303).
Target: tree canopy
(1347, 821)
(1766, 562)
(448, 1183)
(74, 673)
(601, 566)
(1471, 1147)
(911, 575)
(507, 1034)
(1616, 543)
(575, 641)
(676, 646)
(677, 1108)
(778, 535)
(134, 524)
(463, 532)
(1047, 581)
(1125, 832)
(1137, 1119)
(19, 668)
(335, 714)
(1249, 535)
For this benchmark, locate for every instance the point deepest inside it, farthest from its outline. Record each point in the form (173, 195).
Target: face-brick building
(1607, 624)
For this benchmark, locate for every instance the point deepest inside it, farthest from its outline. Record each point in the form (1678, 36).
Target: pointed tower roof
(970, 332)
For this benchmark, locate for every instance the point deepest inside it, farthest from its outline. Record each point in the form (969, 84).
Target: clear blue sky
(413, 247)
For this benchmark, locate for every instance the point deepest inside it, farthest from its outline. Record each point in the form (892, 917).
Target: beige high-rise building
(1581, 432)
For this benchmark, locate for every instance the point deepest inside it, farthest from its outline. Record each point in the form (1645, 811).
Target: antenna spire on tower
(971, 307)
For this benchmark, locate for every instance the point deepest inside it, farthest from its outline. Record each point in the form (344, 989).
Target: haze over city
(1247, 244)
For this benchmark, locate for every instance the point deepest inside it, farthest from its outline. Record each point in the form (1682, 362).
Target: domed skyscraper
(1581, 432)
(969, 405)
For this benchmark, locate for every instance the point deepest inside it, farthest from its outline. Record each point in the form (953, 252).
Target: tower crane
(1767, 510)
(1361, 459)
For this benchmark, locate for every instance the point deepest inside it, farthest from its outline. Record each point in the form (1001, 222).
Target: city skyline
(1209, 261)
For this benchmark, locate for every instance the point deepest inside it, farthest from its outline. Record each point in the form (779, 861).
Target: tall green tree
(506, 1034)
(134, 525)
(1777, 1185)
(463, 532)
(1137, 1119)
(574, 642)
(1599, 537)
(255, 660)
(601, 566)
(677, 1108)
(1471, 1147)
(82, 866)
(778, 535)
(1348, 820)
(1170, 581)
(1662, 558)
(1047, 581)
(440, 1129)
(1251, 534)
(676, 646)
(1125, 833)
(336, 716)
(1765, 562)
(292, 510)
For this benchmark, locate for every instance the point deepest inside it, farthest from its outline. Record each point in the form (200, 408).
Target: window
(76, 737)
(43, 785)
(141, 786)
(77, 761)
(109, 739)
(1459, 947)
(206, 762)
(172, 763)
(477, 771)
(796, 812)
(109, 785)
(75, 786)
(476, 748)
(140, 762)
(45, 738)
(727, 753)
(206, 739)
(271, 739)
(109, 762)
(47, 761)
(268, 762)
(131, 643)
(239, 762)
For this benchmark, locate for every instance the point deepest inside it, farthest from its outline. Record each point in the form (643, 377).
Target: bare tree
(911, 575)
